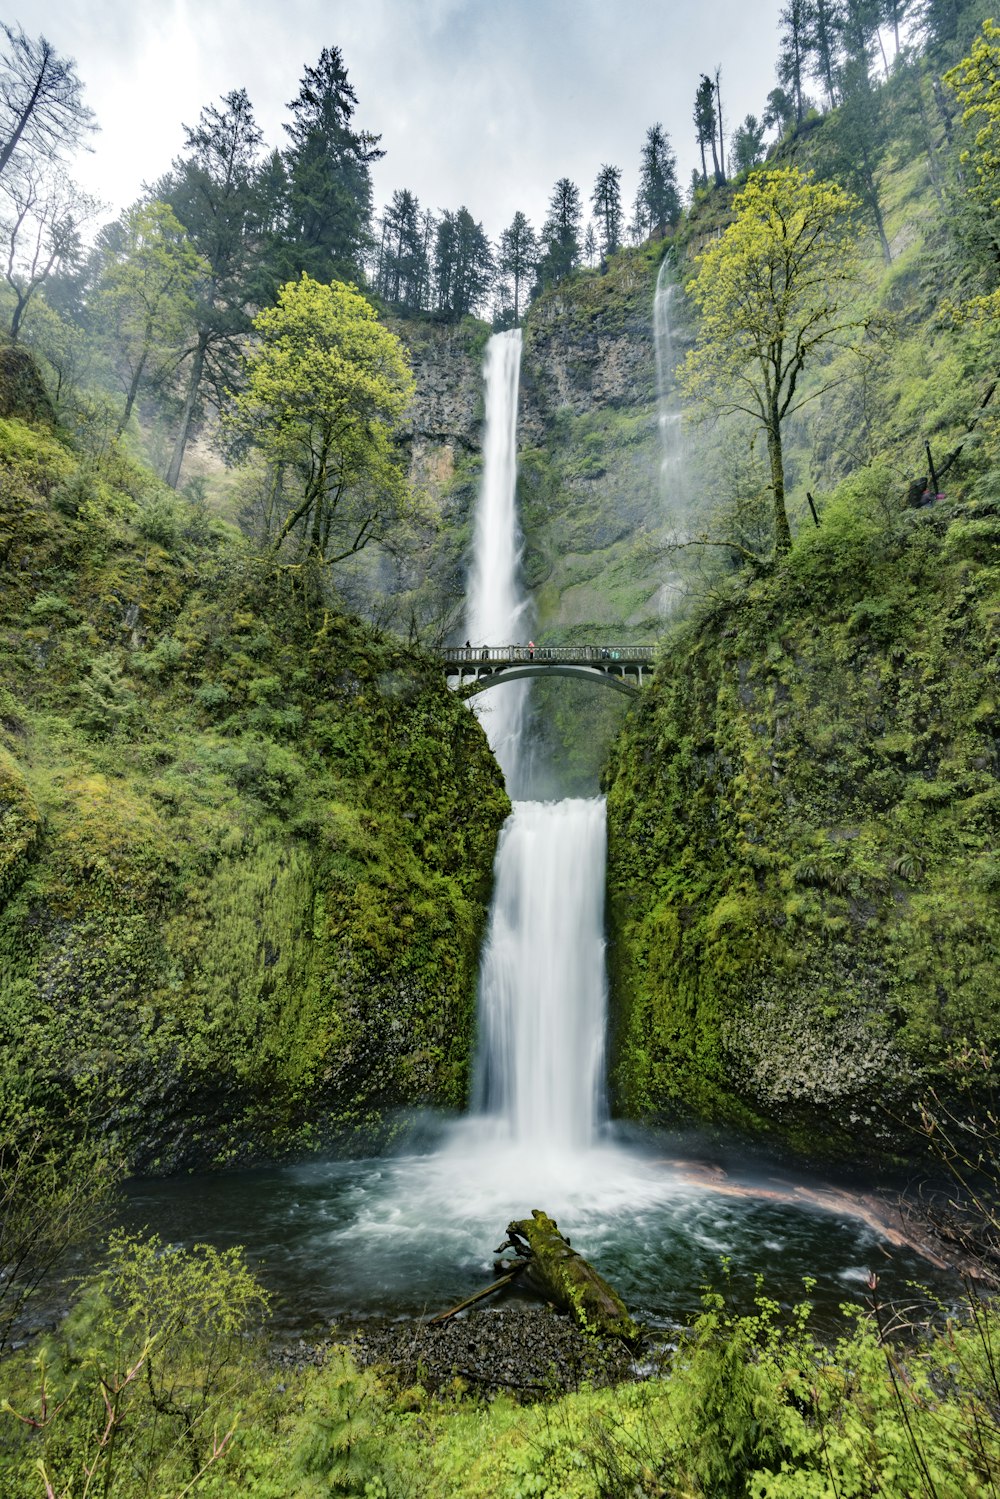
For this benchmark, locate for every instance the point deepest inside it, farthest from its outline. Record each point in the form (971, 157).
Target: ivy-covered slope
(245, 846)
(804, 815)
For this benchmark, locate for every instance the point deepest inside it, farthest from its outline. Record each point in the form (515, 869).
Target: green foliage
(770, 295)
(146, 300)
(337, 1440)
(749, 1406)
(148, 1383)
(800, 820)
(253, 917)
(324, 389)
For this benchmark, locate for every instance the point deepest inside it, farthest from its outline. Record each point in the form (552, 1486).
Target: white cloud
(479, 103)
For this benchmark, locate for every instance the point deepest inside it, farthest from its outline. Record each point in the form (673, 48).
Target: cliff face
(444, 422)
(803, 814)
(588, 452)
(590, 456)
(245, 846)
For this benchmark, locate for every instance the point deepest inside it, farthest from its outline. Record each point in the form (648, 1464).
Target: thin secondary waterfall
(673, 455)
(496, 604)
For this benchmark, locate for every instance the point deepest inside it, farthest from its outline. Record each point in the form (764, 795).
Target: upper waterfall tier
(497, 604)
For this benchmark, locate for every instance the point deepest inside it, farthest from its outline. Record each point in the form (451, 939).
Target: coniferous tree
(779, 111)
(893, 14)
(272, 208)
(327, 229)
(216, 192)
(857, 28)
(606, 201)
(590, 246)
(517, 258)
(42, 111)
(721, 174)
(401, 271)
(792, 56)
(658, 204)
(821, 45)
(856, 140)
(463, 264)
(561, 234)
(705, 120)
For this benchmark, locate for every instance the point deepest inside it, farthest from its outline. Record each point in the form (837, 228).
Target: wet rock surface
(530, 1352)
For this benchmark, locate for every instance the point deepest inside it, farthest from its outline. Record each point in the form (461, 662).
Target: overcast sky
(481, 102)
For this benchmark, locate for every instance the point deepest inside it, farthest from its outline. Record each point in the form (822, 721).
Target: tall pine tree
(561, 234)
(658, 204)
(606, 201)
(327, 228)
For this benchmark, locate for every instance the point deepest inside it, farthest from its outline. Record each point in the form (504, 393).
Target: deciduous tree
(324, 389)
(41, 215)
(146, 302)
(772, 295)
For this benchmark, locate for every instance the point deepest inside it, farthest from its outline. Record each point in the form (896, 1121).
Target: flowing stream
(343, 1240)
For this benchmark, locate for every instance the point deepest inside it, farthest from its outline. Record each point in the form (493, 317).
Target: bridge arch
(545, 669)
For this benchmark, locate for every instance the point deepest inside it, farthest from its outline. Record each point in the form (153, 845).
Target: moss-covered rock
(803, 814)
(247, 844)
(22, 389)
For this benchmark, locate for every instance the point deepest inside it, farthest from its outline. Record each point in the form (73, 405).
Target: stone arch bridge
(625, 668)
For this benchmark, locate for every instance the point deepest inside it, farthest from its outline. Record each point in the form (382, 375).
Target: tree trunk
(197, 366)
(19, 311)
(133, 391)
(715, 163)
(555, 1270)
(782, 533)
(722, 138)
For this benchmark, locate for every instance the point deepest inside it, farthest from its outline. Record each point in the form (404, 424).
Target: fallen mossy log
(551, 1266)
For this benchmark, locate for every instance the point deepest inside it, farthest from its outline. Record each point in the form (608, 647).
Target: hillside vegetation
(802, 812)
(247, 843)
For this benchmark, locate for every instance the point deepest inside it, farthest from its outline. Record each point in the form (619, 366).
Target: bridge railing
(576, 655)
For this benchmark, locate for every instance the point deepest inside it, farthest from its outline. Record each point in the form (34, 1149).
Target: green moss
(247, 845)
(802, 813)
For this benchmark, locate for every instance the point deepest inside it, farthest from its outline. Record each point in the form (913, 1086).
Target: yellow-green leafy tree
(976, 82)
(326, 386)
(774, 292)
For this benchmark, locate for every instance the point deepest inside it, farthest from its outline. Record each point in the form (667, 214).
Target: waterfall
(542, 1000)
(542, 995)
(497, 605)
(673, 454)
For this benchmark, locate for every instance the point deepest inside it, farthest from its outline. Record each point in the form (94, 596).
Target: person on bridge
(531, 650)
